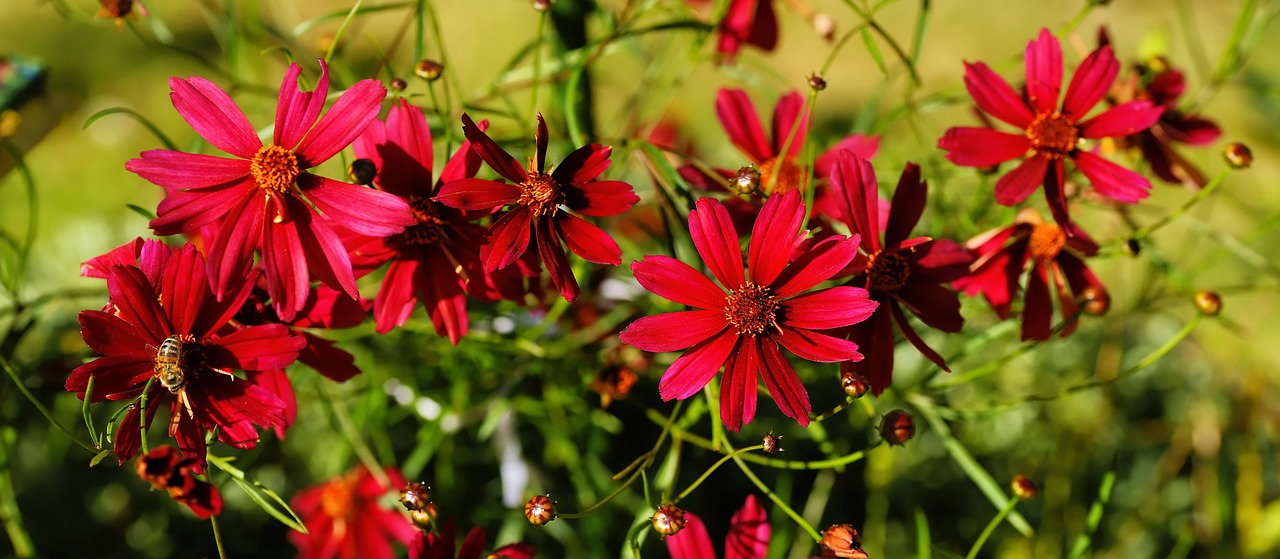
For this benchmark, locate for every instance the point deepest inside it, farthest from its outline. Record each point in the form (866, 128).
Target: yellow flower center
(781, 174)
(1047, 240)
(541, 193)
(274, 168)
(752, 309)
(887, 271)
(1053, 135)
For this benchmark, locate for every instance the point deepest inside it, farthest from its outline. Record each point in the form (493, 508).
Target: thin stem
(713, 468)
(217, 537)
(1184, 208)
(769, 461)
(795, 517)
(337, 37)
(584, 512)
(991, 528)
(893, 43)
(352, 434)
(13, 374)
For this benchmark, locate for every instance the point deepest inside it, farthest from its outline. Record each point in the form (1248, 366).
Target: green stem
(713, 468)
(893, 43)
(352, 434)
(795, 517)
(768, 461)
(9, 513)
(13, 374)
(537, 66)
(991, 528)
(1184, 208)
(584, 512)
(337, 37)
(217, 537)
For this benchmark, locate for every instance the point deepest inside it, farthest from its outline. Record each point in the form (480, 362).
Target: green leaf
(310, 24)
(138, 117)
(99, 456)
(1095, 516)
(264, 497)
(141, 211)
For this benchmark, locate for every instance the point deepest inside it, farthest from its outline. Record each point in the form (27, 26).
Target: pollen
(887, 271)
(541, 193)
(429, 229)
(1053, 135)
(1047, 240)
(274, 168)
(781, 174)
(752, 309)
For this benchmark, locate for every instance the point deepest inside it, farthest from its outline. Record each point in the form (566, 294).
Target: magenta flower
(900, 272)
(748, 537)
(443, 545)
(345, 518)
(741, 323)
(1049, 134)
(543, 205)
(166, 325)
(263, 199)
(1174, 127)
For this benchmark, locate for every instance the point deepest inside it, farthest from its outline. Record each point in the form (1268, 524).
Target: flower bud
(1024, 488)
(1133, 246)
(429, 70)
(816, 82)
(1238, 155)
(668, 520)
(841, 540)
(540, 510)
(541, 5)
(425, 517)
(1095, 301)
(897, 427)
(1208, 302)
(747, 180)
(772, 443)
(362, 171)
(398, 84)
(414, 496)
(855, 384)
(325, 42)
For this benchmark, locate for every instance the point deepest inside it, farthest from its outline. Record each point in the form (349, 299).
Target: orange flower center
(752, 309)
(1053, 135)
(781, 174)
(887, 271)
(337, 499)
(541, 193)
(429, 228)
(1047, 240)
(274, 168)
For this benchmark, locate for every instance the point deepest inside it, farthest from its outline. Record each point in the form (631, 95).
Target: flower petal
(583, 165)
(674, 280)
(109, 334)
(123, 255)
(775, 236)
(327, 257)
(1044, 72)
(1111, 180)
(136, 301)
(213, 115)
(588, 241)
(1091, 82)
(342, 124)
(936, 305)
(1016, 185)
(673, 331)
(325, 357)
(982, 147)
(865, 147)
(508, 238)
(491, 153)
(183, 211)
(738, 385)
(717, 242)
(177, 169)
(816, 265)
(396, 295)
(477, 194)
(788, 114)
(738, 116)
(914, 338)
(820, 348)
(555, 260)
(286, 265)
(1122, 120)
(830, 308)
(183, 289)
(994, 95)
(263, 346)
(853, 181)
(297, 110)
(784, 385)
(908, 203)
(1037, 310)
(358, 209)
(601, 198)
(696, 367)
(749, 531)
(231, 250)
(692, 542)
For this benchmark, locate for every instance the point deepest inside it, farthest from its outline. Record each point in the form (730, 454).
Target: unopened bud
(1208, 302)
(772, 443)
(429, 70)
(897, 427)
(1095, 301)
(668, 520)
(824, 25)
(1024, 488)
(540, 510)
(325, 42)
(425, 517)
(855, 384)
(541, 5)
(817, 83)
(841, 540)
(362, 171)
(746, 180)
(415, 496)
(1133, 246)
(1238, 155)
(398, 84)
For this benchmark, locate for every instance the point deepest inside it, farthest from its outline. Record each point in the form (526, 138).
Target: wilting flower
(433, 259)
(1056, 255)
(748, 536)
(1050, 134)
(345, 517)
(442, 546)
(168, 470)
(165, 324)
(1162, 85)
(898, 272)
(263, 198)
(741, 323)
(543, 205)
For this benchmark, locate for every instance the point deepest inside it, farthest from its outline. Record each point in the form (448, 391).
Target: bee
(168, 369)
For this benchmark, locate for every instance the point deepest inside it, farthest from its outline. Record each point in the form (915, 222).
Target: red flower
(166, 325)
(755, 23)
(748, 537)
(442, 545)
(742, 329)
(542, 203)
(1163, 88)
(1050, 134)
(899, 272)
(1053, 252)
(263, 199)
(167, 470)
(345, 518)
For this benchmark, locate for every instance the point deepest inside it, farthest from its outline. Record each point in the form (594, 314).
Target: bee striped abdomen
(169, 365)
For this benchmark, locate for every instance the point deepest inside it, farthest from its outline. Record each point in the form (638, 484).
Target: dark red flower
(442, 546)
(898, 272)
(1049, 134)
(167, 470)
(345, 517)
(264, 199)
(748, 538)
(165, 324)
(741, 323)
(1056, 255)
(755, 23)
(1162, 85)
(542, 205)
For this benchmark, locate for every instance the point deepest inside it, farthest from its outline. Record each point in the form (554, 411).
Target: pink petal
(674, 280)
(477, 194)
(444, 298)
(213, 115)
(123, 255)
(749, 530)
(231, 251)
(829, 308)
(588, 241)
(816, 265)
(555, 260)
(820, 348)
(508, 238)
(601, 198)
(775, 236)
(1044, 72)
(673, 331)
(862, 146)
(738, 116)
(789, 114)
(183, 288)
(982, 147)
(343, 123)
(785, 386)
(407, 129)
(183, 211)
(1122, 120)
(297, 110)
(717, 242)
(327, 257)
(739, 384)
(994, 95)
(696, 367)
(358, 209)
(1111, 180)
(491, 153)
(286, 265)
(396, 296)
(692, 542)
(176, 169)
(1091, 82)
(1016, 185)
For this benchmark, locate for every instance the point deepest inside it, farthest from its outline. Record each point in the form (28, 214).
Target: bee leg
(186, 402)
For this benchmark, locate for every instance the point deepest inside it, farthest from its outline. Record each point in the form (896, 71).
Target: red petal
(936, 305)
(183, 289)
(853, 181)
(820, 348)
(674, 280)
(327, 258)
(184, 211)
(982, 147)
(1192, 130)
(115, 377)
(264, 346)
(358, 209)
(738, 116)
(138, 305)
(396, 296)
(583, 165)
(1091, 82)
(717, 242)
(277, 382)
(588, 241)
(816, 265)
(1122, 120)
(691, 542)
(231, 253)
(109, 334)
(601, 198)
(323, 356)
(1044, 72)
(775, 236)
(297, 110)
(785, 386)
(862, 146)
(673, 331)
(914, 339)
(696, 367)
(508, 238)
(994, 95)
(286, 265)
(749, 530)
(763, 32)
(1037, 310)
(213, 115)
(908, 203)
(491, 153)
(829, 308)
(181, 170)
(123, 255)
(444, 298)
(1016, 185)
(343, 123)
(408, 131)
(738, 385)
(556, 261)
(1111, 180)
(477, 194)
(789, 114)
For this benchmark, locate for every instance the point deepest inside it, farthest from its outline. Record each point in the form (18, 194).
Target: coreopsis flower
(119, 10)
(544, 204)
(748, 537)
(1050, 133)
(433, 260)
(742, 323)
(899, 271)
(442, 546)
(1162, 85)
(755, 23)
(165, 324)
(346, 517)
(168, 470)
(1056, 256)
(262, 198)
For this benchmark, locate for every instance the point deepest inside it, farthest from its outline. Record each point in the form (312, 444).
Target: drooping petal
(508, 238)
(816, 265)
(115, 377)
(1016, 185)
(213, 115)
(396, 296)
(477, 194)
(673, 331)
(826, 309)
(936, 305)
(738, 385)
(764, 27)
(1037, 311)
(325, 357)
(588, 241)
(1044, 72)
(784, 385)
(813, 346)
(1111, 180)
(908, 204)
(994, 95)
(297, 110)
(775, 236)
(914, 338)
(555, 260)
(444, 298)
(1193, 130)
(696, 367)
(749, 530)
(177, 169)
(342, 124)
(361, 210)
(231, 250)
(691, 542)
(1122, 120)
(491, 153)
(879, 347)
(717, 242)
(1090, 83)
(982, 147)
(742, 124)
(674, 280)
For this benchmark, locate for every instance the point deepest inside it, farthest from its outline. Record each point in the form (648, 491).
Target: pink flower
(345, 518)
(441, 546)
(748, 537)
(263, 199)
(1047, 133)
(740, 323)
